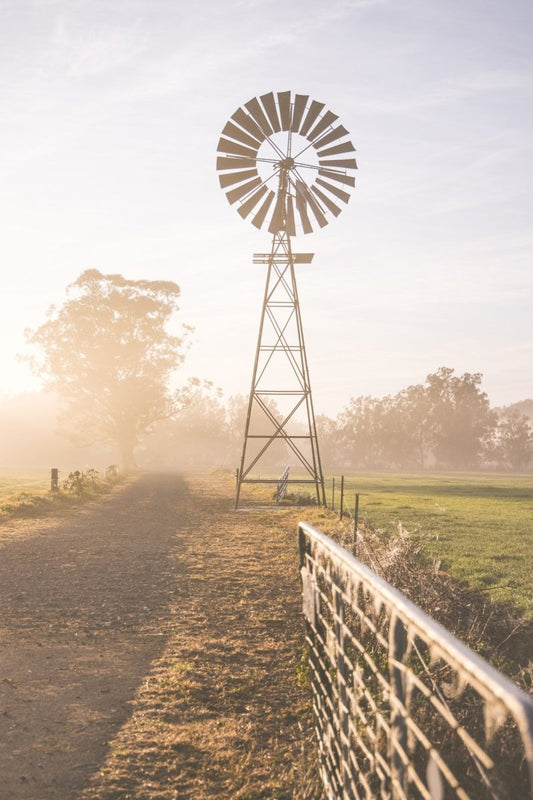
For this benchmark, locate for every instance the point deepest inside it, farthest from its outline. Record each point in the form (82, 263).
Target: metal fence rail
(402, 708)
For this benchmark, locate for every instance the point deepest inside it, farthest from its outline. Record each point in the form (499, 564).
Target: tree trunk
(127, 446)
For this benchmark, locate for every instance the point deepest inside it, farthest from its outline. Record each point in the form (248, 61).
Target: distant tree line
(445, 423)
(207, 432)
(108, 354)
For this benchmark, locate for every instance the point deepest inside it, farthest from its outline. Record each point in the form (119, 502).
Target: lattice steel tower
(287, 163)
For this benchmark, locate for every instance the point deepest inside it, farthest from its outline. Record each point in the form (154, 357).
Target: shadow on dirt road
(83, 604)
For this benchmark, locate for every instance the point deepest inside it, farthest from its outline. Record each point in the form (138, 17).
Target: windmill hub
(286, 163)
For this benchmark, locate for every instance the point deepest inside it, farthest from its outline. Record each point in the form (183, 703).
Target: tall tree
(362, 432)
(461, 417)
(109, 355)
(514, 440)
(414, 411)
(329, 440)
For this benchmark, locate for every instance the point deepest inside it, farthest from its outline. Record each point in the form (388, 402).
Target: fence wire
(402, 709)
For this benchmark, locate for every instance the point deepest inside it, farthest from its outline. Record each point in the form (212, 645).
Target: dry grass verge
(496, 631)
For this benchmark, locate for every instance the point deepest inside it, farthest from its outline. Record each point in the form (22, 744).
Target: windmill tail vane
(287, 164)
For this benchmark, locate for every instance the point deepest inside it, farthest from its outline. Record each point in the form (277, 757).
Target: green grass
(478, 525)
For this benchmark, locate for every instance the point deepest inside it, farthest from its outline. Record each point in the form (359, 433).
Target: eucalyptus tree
(108, 353)
(462, 421)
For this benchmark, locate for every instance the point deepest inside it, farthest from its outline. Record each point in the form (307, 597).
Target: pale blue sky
(111, 113)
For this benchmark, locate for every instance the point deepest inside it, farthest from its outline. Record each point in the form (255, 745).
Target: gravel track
(83, 603)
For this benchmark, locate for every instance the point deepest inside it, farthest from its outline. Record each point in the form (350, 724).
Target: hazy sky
(110, 117)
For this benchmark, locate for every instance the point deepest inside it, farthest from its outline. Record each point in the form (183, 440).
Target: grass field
(28, 494)
(37, 482)
(478, 525)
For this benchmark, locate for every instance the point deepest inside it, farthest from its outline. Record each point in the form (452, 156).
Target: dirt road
(100, 607)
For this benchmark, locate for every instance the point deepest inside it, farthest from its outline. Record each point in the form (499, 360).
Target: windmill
(286, 163)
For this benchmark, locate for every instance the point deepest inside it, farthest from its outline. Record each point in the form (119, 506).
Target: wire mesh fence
(402, 709)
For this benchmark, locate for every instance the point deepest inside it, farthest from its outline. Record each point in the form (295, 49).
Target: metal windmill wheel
(286, 162)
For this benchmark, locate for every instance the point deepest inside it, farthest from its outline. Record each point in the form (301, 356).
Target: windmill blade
(345, 147)
(284, 102)
(301, 205)
(234, 163)
(327, 120)
(277, 221)
(330, 205)
(242, 191)
(258, 114)
(337, 176)
(230, 178)
(300, 102)
(269, 105)
(245, 121)
(336, 133)
(314, 110)
(315, 208)
(227, 146)
(263, 211)
(302, 211)
(241, 136)
(334, 190)
(290, 226)
(344, 163)
(245, 208)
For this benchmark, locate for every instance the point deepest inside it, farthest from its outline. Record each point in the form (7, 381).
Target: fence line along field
(479, 526)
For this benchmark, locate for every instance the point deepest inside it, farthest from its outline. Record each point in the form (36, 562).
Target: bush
(80, 483)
